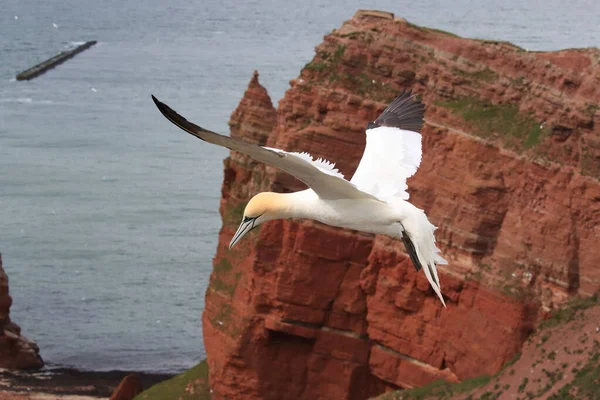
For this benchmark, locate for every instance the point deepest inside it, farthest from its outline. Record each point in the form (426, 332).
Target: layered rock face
(558, 361)
(511, 143)
(16, 351)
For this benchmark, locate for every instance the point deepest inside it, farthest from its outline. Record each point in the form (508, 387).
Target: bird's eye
(248, 219)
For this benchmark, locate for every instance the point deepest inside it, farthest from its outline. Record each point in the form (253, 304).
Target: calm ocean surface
(108, 213)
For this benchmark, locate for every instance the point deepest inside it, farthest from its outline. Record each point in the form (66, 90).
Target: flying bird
(374, 200)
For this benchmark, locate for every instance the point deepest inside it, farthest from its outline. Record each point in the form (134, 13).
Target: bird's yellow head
(261, 208)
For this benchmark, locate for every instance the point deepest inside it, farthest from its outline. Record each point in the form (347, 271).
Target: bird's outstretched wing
(320, 175)
(391, 156)
(393, 150)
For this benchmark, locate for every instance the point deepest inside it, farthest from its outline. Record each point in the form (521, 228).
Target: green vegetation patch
(228, 321)
(326, 61)
(317, 66)
(586, 382)
(222, 280)
(190, 385)
(374, 90)
(486, 75)
(569, 312)
(513, 290)
(501, 43)
(439, 389)
(220, 285)
(224, 314)
(223, 266)
(338, 54)
(509, 364)
(233, 216)
(428, 30)
(485, 119)
(329, 65)
(523, 384)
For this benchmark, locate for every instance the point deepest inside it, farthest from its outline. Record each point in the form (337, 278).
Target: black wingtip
(162, 107)
(171, 114)
(412, 252)
(405, 112)
(179, 120)
(157, 103)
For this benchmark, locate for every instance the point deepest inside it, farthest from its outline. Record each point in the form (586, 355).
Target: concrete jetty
(60, 58)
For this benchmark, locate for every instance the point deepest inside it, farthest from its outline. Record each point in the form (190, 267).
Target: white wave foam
(73, 44)
(24, 100)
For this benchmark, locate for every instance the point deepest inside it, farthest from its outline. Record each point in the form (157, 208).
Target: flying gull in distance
(374, 200)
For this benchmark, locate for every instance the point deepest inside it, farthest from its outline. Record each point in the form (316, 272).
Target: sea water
(108, 213)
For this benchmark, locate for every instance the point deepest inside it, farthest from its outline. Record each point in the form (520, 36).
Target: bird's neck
(292, 205)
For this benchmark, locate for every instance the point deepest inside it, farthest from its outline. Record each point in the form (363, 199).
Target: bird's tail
(419, 241)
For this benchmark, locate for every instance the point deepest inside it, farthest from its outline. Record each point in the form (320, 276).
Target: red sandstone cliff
(16, 351)
(559, 361)
(510, 171)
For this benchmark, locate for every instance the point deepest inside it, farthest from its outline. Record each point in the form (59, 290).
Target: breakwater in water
(58, 59)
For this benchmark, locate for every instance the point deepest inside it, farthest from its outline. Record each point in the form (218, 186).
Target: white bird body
(366, 215)
(397, 218)
(373, 201)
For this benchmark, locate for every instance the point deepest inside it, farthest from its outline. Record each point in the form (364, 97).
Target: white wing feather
(320, 175)
(391, 156)
(323, 165)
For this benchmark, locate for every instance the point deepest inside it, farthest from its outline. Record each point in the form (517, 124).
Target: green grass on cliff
(486, 75)
(221, 280)
(429, 30)
(570, 311)
(517, 130)
(217, 284)
(223, 266)
(438, 389)
(586, 383)
(190, 385)
(329, 64)
(233, 215)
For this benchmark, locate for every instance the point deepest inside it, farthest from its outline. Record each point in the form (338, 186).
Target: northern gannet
(374, 200)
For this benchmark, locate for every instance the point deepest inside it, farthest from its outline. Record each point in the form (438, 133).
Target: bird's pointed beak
(245, 227)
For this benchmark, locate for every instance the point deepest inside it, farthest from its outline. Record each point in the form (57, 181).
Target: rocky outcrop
(16, 351)
(300, 310)
(129, 387)
(560, 361)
